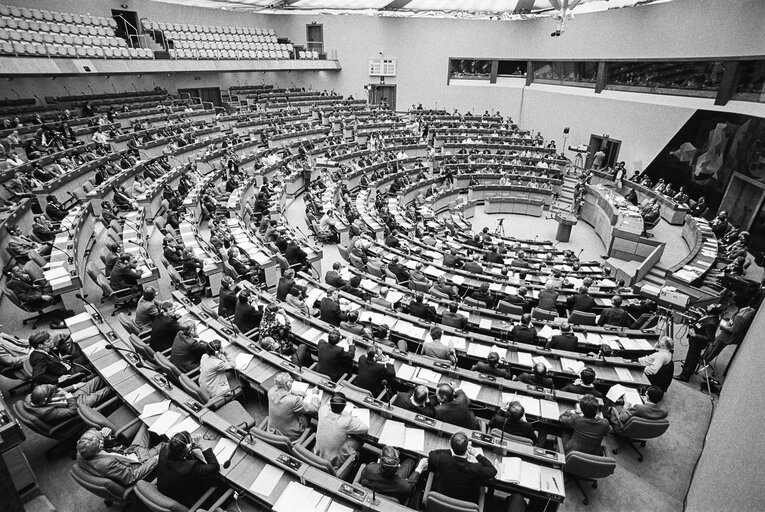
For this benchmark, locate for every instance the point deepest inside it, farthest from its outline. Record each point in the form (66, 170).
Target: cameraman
(702, 334)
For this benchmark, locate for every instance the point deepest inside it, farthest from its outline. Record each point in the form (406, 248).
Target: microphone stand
(247, 435)
(138, 360)
(96, 313)
(69, 258)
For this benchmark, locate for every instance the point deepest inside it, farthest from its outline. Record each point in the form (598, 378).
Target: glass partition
(470, 69)
(682, 77)
(751, 81)
(511, 68)
(582, 74)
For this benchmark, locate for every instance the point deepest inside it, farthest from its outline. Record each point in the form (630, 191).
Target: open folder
(395, 433)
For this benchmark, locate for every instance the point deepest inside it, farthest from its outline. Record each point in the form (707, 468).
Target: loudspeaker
(565, 130)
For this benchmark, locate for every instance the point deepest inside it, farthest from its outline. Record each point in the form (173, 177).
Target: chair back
(354, 387)
(469, 301)
(283, 263)
(496, 432)
(173, 373)
(541, 314)
(34, 270)
(154, 500)
(375, 269)
(586, 465)
(513, 309)
(128, 324)
(276, 440)
(343, 252)
(357, 262)
(230, 271)
(581, 318)
(191, 387)
(663, 377)
(103, 283)
(437, 502)
(92, 271)
(642, 428)
(419, 286)
(15, 300)
(143, 348)
(310, 458)
(438, 294)
(93, 418)
(103, 487)
(207, 309)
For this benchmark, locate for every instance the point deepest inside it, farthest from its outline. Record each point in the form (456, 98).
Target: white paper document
(242, 361)
(187, 425)
(155, 409)
(224, 449)
(113, 368)
(164, 422)
(267, 479)
(137, 394)
(84, 334)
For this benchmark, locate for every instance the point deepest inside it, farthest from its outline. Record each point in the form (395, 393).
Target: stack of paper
(525, 359)
(242, 361)
(164, 422)
(266, 481)
(478, 350)
(406, 372)
(616, 392)
(471, 389)
(517, 471)
(155, 409)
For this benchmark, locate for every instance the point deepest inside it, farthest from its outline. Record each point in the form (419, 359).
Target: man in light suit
(99, 453)
(652, 409)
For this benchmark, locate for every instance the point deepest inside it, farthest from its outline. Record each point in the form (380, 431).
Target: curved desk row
(253, 462)
(702, 243)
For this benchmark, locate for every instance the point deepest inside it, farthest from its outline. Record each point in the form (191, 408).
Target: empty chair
(304, 454)
(582, 318)
(588, 468)
(437, 502)
(639, 430)
(226, 406)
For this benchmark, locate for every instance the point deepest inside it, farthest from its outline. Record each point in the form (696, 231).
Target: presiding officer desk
(671, 211)
(264, 365)
(138, 386)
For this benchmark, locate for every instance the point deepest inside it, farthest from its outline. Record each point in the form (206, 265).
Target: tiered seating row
(32, 32)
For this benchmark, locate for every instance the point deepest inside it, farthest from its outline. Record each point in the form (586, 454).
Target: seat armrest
(308, 441)
(481, 498)
(344, 470)
(357, 478)
(201, 501)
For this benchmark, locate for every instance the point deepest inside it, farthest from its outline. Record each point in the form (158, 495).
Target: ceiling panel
(340, 4)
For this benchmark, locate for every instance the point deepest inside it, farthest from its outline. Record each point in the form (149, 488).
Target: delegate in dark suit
(588, 433)
(186, 480)
(581, 302)
(46, 368)
(457, 411)
(424, 311)
(458, 478)
(563, 342)
(371, 374)
(614, 316)
(330, 311)
(403, 399)
(333, 360)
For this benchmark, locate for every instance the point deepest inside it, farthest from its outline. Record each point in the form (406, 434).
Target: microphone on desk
(69, 257)
(96, 313)
(227, 464)
(387, 390)
(580, 253)
(138, 358)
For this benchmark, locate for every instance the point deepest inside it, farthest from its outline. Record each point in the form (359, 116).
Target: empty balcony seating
(204, 42)
(41, 33)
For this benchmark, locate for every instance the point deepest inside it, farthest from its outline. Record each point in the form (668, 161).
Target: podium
(565, 221)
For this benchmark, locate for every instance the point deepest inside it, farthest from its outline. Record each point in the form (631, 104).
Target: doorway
(127, 26)
(383, 92)
(609, 146)
(207, 94)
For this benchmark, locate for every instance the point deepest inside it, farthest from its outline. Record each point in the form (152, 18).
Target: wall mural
(707, 149)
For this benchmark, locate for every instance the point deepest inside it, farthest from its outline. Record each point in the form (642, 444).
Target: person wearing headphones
(102, 454)
(181, 475)
(335, 426)
(334, 359)
(492, 366)
(392, 477)
(374, 368)
(54, 405)
(214, 368)
(537, 377)
(510, 418)
(461, 470)
(289, 410)
(416, 401)
(187, 349)
(454, 407)
(651, 409)
(584, 384)
(165, 326)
